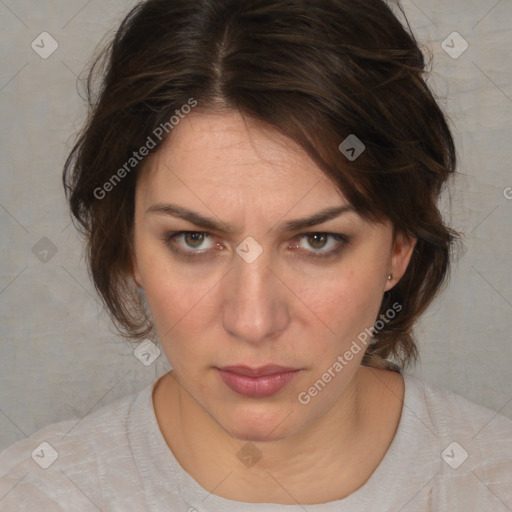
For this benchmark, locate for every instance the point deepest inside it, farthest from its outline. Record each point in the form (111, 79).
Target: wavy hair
(315, 70)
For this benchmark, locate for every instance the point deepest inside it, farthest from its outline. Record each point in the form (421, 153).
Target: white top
(448, 454)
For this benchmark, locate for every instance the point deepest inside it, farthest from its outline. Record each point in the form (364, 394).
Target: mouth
(262, 371)
(257, 382)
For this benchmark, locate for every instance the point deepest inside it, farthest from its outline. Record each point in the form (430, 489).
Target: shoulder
(62, 462)
(448, 413)
(473, 445)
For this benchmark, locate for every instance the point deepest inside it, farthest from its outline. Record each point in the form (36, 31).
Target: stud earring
(390, 276)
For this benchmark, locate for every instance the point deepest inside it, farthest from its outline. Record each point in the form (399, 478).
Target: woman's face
(254, 285)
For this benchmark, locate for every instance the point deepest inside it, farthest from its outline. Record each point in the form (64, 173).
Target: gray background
(59, 355)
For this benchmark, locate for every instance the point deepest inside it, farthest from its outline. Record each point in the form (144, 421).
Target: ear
(401, 254)
(136, 274)
(135, 269)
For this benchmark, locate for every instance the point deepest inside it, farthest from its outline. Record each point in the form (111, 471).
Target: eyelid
(169, 239)
(342, 239)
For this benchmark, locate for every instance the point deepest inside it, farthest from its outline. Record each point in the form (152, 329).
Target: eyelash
(344, 240)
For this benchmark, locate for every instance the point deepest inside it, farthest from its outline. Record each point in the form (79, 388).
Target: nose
(255, 307)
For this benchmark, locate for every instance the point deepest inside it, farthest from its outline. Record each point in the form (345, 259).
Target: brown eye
(190, 243)
(321, 245)
(317, 240)
(194, 240)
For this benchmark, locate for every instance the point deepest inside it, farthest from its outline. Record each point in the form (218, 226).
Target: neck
(329, 449)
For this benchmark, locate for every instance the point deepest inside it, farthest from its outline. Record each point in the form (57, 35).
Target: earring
(390, 276)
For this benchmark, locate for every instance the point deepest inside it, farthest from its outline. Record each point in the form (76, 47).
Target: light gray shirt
(448, 454)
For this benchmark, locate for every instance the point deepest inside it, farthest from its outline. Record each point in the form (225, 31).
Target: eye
(322, 244)
(190, 243)
(198, 244)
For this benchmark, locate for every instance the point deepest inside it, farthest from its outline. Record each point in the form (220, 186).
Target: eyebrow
(199, 220)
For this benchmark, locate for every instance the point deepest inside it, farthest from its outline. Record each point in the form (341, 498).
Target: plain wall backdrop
(59, 355)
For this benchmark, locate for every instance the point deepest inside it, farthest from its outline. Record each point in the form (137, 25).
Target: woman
(257, 184)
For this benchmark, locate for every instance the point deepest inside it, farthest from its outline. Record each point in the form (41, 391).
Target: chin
(256, 435)
(262, 426)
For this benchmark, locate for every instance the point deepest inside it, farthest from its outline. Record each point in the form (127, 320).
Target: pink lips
(257, 382)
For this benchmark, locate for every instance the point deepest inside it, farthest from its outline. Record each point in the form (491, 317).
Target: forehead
(232, 151)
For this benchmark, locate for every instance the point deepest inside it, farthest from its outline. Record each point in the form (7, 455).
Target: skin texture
(287, 307)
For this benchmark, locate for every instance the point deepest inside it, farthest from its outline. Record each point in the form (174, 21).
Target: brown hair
(317, 71)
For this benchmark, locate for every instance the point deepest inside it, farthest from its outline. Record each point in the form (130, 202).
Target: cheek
(178, 323)
(181, 306)
(177, 304)
(172, 290)
(346, 302)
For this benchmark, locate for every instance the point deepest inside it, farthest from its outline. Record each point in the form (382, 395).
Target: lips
(257, 382)
(269, 369)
